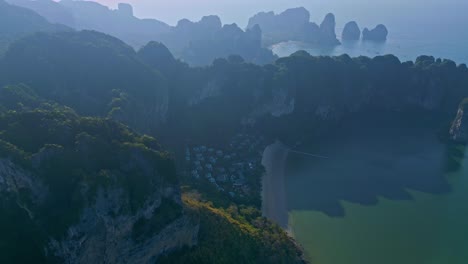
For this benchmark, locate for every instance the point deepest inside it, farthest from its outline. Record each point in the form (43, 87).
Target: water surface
(385, 196)
(405, 48)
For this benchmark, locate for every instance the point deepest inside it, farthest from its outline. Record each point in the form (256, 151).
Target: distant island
(351, 32)
(294, 25)
(379, 33)
(197, 43)
(201, 42)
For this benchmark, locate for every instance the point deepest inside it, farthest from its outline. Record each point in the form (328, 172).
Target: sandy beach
(273, 184)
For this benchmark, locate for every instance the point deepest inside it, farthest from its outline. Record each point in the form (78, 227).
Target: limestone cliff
(90, 190)
(327, 29)
(105, 230)
(294, 25)
(351, 32)
(105, 233)
(459, 129)
(379, 33)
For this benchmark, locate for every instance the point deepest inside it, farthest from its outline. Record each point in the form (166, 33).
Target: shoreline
(274, 206)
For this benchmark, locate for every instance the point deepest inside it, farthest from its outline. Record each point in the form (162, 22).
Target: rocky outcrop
(281, 27)
(379, 33)
(105, 233)
(295, 16)
(200, 43)
(13, 178)
(294, 25)
(459, 129)
(211, 23)
(125, 9)
(327, 30)
(351, 32)
(210, 89)
(281, 104)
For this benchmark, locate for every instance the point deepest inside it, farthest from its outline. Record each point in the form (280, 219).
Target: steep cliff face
(13, 178)
(279, 103)
(459, 129)
(105, 231)
(211, 89)
(98, 194)
(322, 87)
(327, 30)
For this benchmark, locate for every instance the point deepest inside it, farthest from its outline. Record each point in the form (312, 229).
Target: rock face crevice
(459, 129)
(105, 234)
(14, 178)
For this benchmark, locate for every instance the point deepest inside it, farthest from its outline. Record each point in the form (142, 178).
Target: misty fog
(415, 17)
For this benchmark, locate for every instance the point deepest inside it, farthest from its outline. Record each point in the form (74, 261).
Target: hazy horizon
(402, 17)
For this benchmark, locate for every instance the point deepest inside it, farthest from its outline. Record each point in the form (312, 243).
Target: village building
(228, 169)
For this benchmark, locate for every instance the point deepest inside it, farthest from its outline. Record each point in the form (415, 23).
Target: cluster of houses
(229, 169)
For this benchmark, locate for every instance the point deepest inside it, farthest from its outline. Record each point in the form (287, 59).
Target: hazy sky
(411, 15)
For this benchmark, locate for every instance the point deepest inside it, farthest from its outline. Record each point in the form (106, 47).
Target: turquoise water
(385, 196)
(404, 48)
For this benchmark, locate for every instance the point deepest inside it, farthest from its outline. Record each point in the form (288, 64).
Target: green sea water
(427, 228)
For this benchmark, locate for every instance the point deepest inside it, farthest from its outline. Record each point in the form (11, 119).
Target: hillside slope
(17, 22)
(91, 72)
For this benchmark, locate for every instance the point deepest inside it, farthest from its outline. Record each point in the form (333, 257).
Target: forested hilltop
(91, 72)
(216, 101)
